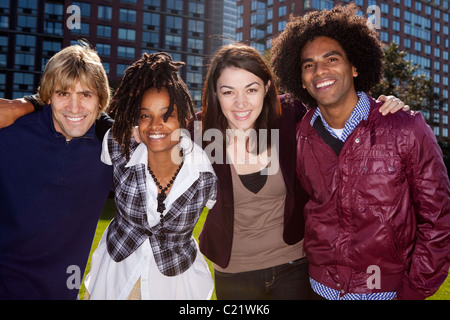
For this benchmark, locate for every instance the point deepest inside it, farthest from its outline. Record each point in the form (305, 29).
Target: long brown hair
(247, 58)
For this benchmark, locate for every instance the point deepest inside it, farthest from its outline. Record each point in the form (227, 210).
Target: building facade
(419, 27)
(121, 31)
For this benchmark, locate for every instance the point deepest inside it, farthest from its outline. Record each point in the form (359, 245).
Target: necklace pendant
(161, 196)
(161, 207)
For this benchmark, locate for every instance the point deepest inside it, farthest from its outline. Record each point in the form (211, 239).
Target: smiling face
(156, 134)
(327, 74)
(74, 110)
(241, 97)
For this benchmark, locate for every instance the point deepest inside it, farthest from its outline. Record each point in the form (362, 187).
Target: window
(194, 63)
(127, 34)
(196, 9)
(25, 43)
(23, 84)
(104, 49)
(174, 24)
(51, 47)
(195, 45)
(121, 69)
(175, 6)
(104, 12)
(436, 131)
(27, 6)
(106, 66)
(84, 30)
(407, 43)
(53, 10)
(127, 15)
(150, 39)
(53, 27)
(153, 4)
(418, 6)
(24, 61)
(151, 21)
(85, 8)
(103, 31)
(417, 46)
(173, 42)
(196, 28)
(125, 52)
(26, 23)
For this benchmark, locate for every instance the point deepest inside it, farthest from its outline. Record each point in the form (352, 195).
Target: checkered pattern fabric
(172, 243)
(360, 112)
(332, 294)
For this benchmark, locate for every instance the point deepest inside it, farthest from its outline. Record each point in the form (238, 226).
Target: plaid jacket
(173, 246)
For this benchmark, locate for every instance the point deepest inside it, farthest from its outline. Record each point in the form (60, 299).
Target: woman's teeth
(242, 114)
(157, 136)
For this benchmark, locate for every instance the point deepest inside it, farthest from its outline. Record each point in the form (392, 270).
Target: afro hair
(361, 44)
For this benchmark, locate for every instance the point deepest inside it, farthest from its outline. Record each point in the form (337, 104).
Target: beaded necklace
(162, 194)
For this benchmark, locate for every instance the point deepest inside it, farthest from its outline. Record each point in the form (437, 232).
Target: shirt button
(342, 291)
(338, 285)
(391, 169)
(357, 140)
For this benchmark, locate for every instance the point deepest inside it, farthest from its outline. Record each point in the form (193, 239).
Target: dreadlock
(152, 70)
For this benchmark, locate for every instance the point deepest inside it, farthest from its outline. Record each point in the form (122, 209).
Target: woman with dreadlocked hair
(161, 187)
(155, 70)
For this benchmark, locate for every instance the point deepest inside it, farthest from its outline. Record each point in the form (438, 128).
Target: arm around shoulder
(11, 110)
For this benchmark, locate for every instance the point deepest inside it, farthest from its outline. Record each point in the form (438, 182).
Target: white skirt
(110, 280)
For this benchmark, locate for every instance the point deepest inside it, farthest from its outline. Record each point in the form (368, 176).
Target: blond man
(53, 185)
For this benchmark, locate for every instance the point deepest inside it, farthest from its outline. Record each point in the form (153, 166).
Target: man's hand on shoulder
(11, 110)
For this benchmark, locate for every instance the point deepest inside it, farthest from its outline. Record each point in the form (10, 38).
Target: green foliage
(401, 80)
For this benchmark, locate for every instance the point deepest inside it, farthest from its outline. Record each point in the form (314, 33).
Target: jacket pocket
(377, 181)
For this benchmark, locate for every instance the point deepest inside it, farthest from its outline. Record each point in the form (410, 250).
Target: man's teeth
(324, 84)
(75, 119)
(157, 136)
(242, 114)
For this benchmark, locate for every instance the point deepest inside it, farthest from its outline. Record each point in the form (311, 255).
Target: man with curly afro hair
(378, 218)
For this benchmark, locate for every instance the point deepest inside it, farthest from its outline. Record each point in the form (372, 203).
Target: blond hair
(72, 64)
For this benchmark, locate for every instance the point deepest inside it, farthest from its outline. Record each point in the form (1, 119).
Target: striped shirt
(360, 112)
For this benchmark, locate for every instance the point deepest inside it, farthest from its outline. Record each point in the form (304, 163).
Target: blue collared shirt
(360, 112)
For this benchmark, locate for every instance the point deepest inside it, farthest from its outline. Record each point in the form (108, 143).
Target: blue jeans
(288, 281)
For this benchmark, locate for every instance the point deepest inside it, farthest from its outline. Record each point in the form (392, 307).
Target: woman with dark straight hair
(253, 234)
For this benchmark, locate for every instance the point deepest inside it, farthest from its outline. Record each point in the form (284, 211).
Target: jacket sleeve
(430, 189)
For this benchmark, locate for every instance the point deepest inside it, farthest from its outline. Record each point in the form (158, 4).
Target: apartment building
(33, 31)
(420, 27)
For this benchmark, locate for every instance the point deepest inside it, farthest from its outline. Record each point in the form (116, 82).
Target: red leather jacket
(383, 202)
